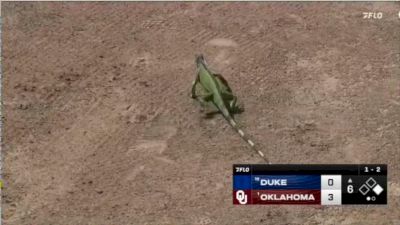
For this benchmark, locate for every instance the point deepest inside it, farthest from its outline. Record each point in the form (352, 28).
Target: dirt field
(99, 127)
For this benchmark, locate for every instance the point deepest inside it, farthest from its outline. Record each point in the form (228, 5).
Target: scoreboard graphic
(317, 184)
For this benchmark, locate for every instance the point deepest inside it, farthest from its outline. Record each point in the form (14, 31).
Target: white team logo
(241, 197)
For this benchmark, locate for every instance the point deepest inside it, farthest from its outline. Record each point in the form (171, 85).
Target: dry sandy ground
(99, 127)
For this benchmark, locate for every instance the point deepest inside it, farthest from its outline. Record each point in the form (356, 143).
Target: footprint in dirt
(151, 145)
(222, 42)
(154, 142)
(223, 45)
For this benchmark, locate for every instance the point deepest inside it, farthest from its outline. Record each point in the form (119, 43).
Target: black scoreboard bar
(324, 184)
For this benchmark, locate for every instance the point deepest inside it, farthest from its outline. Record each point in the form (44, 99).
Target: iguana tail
(243, 135)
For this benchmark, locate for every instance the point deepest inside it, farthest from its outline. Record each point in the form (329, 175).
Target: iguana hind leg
(232, 104)
(235, 107)
(227, 96)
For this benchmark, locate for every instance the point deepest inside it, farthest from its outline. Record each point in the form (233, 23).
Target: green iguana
(218, 95)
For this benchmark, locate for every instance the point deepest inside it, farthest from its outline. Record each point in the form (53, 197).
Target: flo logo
(372, 15)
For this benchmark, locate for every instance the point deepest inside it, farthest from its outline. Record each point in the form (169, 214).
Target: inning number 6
(350, 189)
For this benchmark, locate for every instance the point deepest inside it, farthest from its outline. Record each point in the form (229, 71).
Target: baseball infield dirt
(99, 128)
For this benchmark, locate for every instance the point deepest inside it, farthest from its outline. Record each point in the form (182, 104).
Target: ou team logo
(241, 197)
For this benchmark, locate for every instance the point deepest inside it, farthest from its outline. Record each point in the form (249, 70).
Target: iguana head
(200, 60)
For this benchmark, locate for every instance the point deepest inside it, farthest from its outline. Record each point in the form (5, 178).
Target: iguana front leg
(208, 105)
(206, 102)
(195, 82)
(203, 99)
